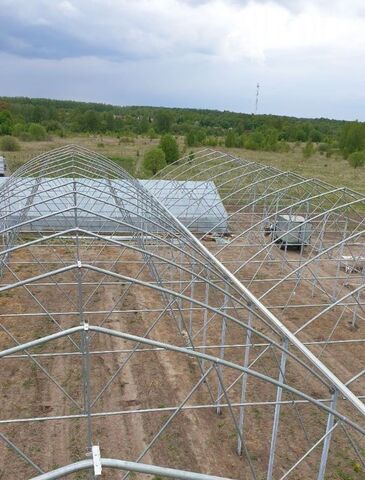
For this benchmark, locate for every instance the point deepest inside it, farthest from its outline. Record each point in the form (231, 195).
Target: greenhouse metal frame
(253, 319)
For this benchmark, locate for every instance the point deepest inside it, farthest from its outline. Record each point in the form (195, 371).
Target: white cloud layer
(315, 45)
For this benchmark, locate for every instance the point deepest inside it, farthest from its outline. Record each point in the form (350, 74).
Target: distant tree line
(37, 119)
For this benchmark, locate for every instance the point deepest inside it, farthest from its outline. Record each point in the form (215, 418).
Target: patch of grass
(343, 476)
(128, 163)
(334, 170)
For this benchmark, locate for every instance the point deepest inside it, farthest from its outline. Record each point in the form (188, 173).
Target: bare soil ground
(197, 440)
(149, 380)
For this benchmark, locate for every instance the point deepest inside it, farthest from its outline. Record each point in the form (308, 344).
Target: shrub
(190, 139)
(152, 134)
(230, 139)
(37, 132)
(255, 141)
(9, 144)
(19, 129)
(357, 159)
(153, 161)
(61, 133)
(211, 141)
(308, 150)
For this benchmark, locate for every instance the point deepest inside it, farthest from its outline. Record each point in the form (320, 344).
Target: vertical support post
(275, 427)
(300, 271)
(205, 318)
(320, 248)
(192, 292)
(327, 440)
(85, 333)
(334, 293)
(221, 352)
(173, 301)
(285, 256)
(358, 299)
(246, 360)
(253, 204)
(181, 277)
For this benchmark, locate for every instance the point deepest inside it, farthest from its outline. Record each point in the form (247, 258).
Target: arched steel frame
(206, 296)
(254, 196)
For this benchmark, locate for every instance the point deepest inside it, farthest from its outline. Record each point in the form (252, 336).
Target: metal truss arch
(111, 273)
(325, 270)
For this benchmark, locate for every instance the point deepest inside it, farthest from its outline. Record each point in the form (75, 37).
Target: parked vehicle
(2, 166)
(291, 231)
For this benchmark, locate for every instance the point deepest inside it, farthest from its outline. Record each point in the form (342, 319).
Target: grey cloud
(123, 30)
(43, 42)
(356, 7)
(203, 83)
(115, 51)
(117, 36)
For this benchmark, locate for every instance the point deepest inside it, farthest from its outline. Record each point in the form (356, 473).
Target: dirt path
(197, 440)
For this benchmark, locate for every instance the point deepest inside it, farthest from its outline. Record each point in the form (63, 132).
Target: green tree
(271, 139)
(6, 123)
(153, 161)
(9, 144)
(169, 146)
(163, 121)
(352, 138)
(255, 141)
(230, 140)
(315, 135)
(240, 141)
(190, 139)
(108, 121)
(37, 132)
(143, 125)
(357, 159)
(91, 121)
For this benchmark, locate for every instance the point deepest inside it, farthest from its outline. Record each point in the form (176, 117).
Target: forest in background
(34, 119)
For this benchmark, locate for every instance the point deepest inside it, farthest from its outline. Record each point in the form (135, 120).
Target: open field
(334, 170)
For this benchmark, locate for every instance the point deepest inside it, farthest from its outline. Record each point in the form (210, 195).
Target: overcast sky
(307, 55)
